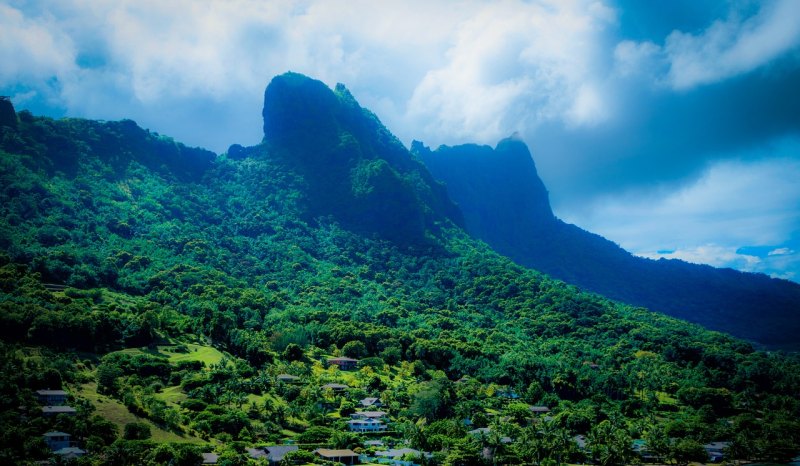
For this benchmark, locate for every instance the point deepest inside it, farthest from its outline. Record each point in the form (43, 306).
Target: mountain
(506, 205)
(356, 170)
(169, 291)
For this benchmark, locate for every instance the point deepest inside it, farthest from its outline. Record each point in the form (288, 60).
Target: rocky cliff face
(505, 204)
(356, 170)
(8, 117)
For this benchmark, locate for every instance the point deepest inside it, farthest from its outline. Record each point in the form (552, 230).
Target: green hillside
(138, 273)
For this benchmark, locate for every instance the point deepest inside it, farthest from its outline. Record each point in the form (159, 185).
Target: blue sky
(672, 128)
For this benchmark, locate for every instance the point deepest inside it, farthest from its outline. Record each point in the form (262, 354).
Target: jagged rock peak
(8, 117)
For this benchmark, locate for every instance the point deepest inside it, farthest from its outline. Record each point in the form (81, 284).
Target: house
(395, 456)
(539, 409)
(276, 453)
(56, 440)
(344, 364)
(70, 453)
(52, 397)
(256, 453)
(287, 378)
(508, 394)
(371, 403)
(339, 456)
(366, 425)
(210, 458)
(336, 387)
(378, 415)
(373, 443)
(716, 451)
(55, 410)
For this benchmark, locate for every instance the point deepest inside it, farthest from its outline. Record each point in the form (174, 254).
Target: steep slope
(505, 204)
(356, 170)
(120, 269)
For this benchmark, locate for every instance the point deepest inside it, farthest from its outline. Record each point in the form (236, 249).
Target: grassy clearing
(173, 395)
(205, 354)
(116, 412)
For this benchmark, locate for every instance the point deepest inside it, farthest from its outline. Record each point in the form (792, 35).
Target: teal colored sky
(672, 128)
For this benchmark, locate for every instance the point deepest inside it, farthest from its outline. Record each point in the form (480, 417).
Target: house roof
(287, 377)
(70, 452)
(335, 386)
(210, 458)
(364, 421)
(398, 452)
(369, 401)
(277, 452)
(328, 453)
(56, 434)
(369, 414)
(57, 409)
(51, 392)
(256, 453)
(539, 409)
(341, 359)
(373, 443)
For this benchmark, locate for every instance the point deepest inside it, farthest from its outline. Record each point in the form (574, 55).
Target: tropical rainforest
(189, 303)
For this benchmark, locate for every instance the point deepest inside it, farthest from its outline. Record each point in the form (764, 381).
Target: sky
(671, 128)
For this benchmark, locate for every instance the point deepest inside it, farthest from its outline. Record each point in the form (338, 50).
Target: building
(256, 453)
(716, 451)
(539, 409)
(336, 387)
(366, 425)
(371, 403)
(378, 415)
(57, 440)
(276, 453)
(56, 410)
(340, 456)
(70, 453)
(287, 378)
(402, 456)
(52, 397)
(210, 458)
(344, 364)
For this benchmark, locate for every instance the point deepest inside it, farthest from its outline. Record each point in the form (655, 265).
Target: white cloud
(734, 204)
(512, 66)
(725, 49)
(780, 252)
(33, 51)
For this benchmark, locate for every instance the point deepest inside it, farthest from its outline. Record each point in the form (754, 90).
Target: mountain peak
(356, 170)
(477, 175)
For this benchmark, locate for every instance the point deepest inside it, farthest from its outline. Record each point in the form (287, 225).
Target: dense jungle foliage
(166, 289)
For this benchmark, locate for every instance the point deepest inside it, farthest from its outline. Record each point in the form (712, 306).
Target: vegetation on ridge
(183, 293)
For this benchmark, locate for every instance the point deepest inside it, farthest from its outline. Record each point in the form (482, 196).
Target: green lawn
(116, 412)
(205, 354)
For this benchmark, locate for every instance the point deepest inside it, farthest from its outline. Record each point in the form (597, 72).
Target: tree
(293, 352)
(137, 431)
(610, 444)
(354, 349)
(687, 450)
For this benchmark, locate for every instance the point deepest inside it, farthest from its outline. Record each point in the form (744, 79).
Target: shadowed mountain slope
(506, 205)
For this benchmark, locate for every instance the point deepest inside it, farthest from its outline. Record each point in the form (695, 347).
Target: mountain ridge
(496, 194)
